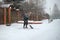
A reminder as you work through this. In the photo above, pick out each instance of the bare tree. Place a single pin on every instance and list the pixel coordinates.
(34, 6)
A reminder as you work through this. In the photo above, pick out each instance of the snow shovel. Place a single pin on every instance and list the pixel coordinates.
(31, 27)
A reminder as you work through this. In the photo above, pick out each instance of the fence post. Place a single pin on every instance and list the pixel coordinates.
(9, 15)
(4, 15)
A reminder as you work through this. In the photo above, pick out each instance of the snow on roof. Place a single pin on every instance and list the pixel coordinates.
(5, 5)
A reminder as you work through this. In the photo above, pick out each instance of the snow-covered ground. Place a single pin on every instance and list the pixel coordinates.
(45, 31)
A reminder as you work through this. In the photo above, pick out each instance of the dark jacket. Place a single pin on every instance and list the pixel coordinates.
(26, 17)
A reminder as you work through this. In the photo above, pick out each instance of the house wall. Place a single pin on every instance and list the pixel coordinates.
(1, 16)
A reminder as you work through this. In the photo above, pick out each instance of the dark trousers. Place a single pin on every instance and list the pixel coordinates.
(25, 24)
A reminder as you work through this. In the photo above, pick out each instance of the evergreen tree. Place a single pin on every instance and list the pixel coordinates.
(55, 12)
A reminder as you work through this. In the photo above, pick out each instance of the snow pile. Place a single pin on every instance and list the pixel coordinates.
(31, 22)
